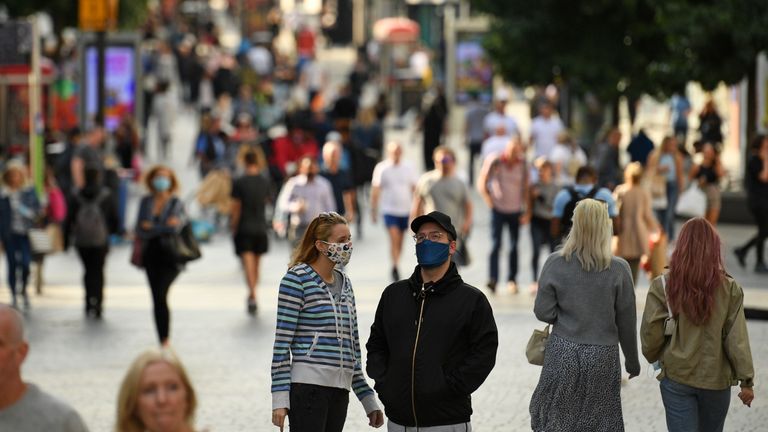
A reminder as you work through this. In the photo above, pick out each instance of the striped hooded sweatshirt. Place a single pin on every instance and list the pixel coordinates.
(316, 339)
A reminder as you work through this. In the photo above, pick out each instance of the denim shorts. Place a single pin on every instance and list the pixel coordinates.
(399, 222)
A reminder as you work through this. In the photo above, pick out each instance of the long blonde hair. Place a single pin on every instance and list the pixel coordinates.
(127, 400)
(319, 229)
(590, 237)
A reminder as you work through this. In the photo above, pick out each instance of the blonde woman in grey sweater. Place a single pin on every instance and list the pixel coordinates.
(588, 295)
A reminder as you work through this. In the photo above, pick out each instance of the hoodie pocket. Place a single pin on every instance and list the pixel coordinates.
(314, 344)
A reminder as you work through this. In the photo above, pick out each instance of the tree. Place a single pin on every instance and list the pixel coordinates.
(626, 47)
(602, 46)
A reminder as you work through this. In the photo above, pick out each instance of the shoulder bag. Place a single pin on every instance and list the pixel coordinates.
(534, 351)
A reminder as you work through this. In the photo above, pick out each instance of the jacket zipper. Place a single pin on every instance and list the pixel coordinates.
(423, 296)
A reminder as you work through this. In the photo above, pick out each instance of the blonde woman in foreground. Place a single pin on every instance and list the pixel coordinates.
(156, 395)
(588, 296)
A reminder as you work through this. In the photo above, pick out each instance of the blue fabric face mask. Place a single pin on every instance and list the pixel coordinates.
(161, 183)
(432, 254)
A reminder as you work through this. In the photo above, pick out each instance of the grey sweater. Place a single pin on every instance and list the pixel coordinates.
(594, 308)
(38, 411)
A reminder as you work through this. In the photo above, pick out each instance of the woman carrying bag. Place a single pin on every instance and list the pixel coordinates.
(587, 294)
(694, 327)
(316, 358)
(161, 215)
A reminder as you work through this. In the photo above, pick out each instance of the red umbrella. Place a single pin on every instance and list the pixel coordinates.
(396, 30)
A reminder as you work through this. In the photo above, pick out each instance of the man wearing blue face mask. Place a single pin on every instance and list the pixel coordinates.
(434, 339)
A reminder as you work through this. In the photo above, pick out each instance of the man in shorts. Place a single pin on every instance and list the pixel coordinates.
(394, 180)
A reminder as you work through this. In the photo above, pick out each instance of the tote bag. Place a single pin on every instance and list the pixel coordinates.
(692, 203)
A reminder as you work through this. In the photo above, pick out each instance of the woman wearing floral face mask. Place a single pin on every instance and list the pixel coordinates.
(316, 359)
(160, 213)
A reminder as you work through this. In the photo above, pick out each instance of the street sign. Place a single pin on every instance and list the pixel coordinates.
(97, 15)
(15, 43)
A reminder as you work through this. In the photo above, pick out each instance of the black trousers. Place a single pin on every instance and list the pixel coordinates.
(760, 213)
(93, 259)
(161, 276)
(317, 408)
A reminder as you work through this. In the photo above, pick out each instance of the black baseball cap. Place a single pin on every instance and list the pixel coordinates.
(441, 219)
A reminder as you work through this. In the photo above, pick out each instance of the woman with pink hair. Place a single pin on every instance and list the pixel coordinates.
(694, 329)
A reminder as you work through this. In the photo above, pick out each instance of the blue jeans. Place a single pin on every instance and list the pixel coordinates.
(666, 217)
(690, 409)
(498, 220)
(19, 254)
(541, 234)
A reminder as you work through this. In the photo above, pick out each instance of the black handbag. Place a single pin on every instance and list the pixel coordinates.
(181, 247)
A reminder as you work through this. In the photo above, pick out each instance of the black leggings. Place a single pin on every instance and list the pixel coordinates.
(93, 259)
(161, 276)
(317, 408)
(760, 212)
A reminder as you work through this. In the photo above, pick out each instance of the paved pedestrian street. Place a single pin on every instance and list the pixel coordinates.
(228, 354)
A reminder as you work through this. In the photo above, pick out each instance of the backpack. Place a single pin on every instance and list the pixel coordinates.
(566, 221)
(90, 228)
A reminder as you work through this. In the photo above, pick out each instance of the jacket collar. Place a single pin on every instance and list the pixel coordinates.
(447, 283)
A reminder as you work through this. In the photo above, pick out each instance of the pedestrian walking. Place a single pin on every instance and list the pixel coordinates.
(606, 161)
(541, 197)
(637, 220)
(316, 358)
(91, 220)
(156, 395)
(498, 118)
(566, 157)
(680, 109)
(434, 339)
(697, 304)
(160, 214)
(757, 190)
(474, 132)
(503, 185)
(708, 173)
(666, 176)
(433, 123)
(441, 190)
(545, 130)
(394, 180)
(248, 221)
(588, 296)
(19, 211)
(567, 198)
(710, 125)
(303, 197)
(341, 180)
(24, 407)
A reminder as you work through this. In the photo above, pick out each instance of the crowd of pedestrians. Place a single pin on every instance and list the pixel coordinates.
(304, 160)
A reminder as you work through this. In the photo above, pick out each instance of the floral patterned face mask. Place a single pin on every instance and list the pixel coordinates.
(339, 253)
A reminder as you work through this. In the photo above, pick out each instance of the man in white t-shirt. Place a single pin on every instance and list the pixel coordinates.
(498, 116)
(545, 129)
(566, 158)
(393, 182)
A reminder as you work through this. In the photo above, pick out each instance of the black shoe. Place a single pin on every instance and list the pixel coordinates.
(491, 286)
(252, 307)
(761, 268)
(741, 256)
(395, 274)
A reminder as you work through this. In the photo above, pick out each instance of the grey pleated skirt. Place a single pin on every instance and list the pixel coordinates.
(579, 389)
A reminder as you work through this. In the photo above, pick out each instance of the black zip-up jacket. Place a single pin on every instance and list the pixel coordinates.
(425, 372)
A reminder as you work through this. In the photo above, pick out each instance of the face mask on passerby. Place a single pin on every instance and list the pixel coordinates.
(432, 254)
(339, 253)
(161, 183)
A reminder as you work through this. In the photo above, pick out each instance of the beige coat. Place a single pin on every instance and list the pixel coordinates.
(637, 220)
